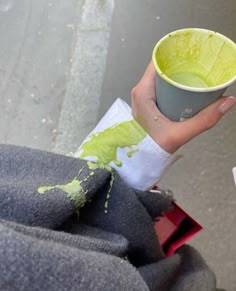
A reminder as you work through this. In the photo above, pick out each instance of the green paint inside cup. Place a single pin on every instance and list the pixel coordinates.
(196, 58)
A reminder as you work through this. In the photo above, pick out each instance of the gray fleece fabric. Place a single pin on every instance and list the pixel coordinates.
(66, 224)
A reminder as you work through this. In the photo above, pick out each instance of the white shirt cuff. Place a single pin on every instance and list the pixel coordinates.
(140, 161)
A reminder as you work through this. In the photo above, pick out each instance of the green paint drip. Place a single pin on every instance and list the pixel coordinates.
(109, 192)
(131, 152)
(104, 145)
(94, 166)
(74, 191)
(81, 170)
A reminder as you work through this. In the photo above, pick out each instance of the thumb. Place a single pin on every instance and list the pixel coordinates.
(208, 117)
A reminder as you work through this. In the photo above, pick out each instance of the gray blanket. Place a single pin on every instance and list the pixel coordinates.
(66, 224)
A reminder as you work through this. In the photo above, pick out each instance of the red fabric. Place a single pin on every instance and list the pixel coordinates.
(176, 228)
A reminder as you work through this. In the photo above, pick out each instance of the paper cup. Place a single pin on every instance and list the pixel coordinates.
(194, 67)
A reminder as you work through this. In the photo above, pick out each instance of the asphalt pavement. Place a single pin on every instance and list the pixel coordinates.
(36, 49)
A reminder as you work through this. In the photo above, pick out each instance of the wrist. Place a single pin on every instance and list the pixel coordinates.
(157, 127)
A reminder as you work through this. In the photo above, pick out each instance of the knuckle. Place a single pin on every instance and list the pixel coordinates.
(134, 92)
(135, 98)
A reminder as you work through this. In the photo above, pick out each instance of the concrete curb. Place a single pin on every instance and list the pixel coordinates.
(80, 108)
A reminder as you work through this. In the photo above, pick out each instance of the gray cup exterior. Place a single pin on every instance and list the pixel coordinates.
(178, 104)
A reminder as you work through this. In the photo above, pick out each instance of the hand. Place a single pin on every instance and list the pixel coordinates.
(168, 134)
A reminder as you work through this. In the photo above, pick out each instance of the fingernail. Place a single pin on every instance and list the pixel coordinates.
(227, 105)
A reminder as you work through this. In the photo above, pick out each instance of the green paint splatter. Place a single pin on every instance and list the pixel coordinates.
(104, 145)
(109, 192)
(131, 152)
(74, 191)
(94, 166)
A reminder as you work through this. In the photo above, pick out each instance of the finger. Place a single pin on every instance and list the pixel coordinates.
(207, 118)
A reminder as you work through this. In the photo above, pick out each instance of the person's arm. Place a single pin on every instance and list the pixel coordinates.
(140, 144)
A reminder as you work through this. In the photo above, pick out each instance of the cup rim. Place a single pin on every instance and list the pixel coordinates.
(181, 86)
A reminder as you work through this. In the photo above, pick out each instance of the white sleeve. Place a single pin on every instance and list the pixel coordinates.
(120, 142)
